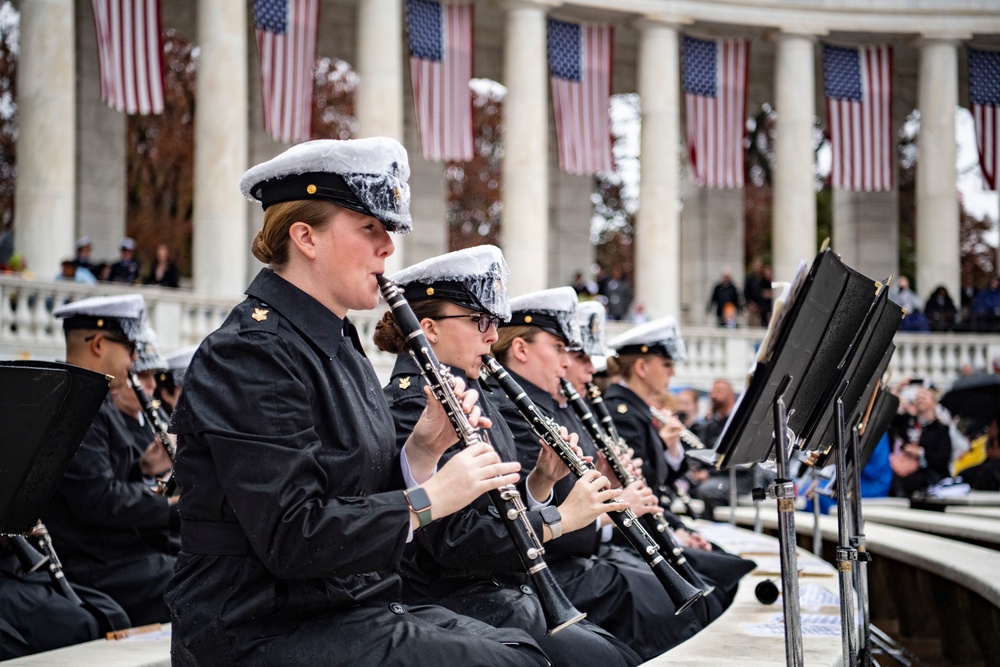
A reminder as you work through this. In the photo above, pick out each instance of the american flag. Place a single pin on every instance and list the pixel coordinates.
(440, 38)
(984, 92)
(580, 69)
(128, 49)
(858, 83)
(286, 47)
(715, 101)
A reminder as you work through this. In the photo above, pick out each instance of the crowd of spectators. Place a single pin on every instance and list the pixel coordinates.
(978, 309)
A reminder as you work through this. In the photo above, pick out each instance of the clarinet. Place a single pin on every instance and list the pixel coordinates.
(680, 592)
(559, 612)
(33, 559)
(159, 426)
(656, 525)
(600, 407)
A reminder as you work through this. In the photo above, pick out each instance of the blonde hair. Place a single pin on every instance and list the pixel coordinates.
(506, 336)
(271, 243)
(623, 365)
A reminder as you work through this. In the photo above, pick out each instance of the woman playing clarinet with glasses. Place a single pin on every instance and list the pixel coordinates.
(468, 562)
(296, 504)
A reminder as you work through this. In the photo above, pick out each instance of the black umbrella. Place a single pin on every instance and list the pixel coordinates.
(975, 396)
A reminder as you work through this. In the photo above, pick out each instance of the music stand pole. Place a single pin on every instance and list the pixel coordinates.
(846, 555)
(817, 531)
(783, 490)
(858, 542)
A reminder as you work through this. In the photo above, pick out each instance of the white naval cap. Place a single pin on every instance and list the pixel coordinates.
(552, 310)
(148, 355)
(592, 317)
(661, 336)
(364, 175)
(177, 363)
(122, 314)
(474, 278)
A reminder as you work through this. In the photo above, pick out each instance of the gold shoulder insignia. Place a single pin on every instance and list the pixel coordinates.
(404, 383)
(622, 408)
(259, 314)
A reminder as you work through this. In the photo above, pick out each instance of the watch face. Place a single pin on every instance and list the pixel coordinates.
(551, 515)
(418, 498)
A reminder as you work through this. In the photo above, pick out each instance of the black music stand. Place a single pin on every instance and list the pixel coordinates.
(805, 347)
(47, 408)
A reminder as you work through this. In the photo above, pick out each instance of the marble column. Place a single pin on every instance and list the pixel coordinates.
(794, 235)
(221, 237)
(45, 191)
(379, 97)
(525, 223)
(938, 253)
(657, 231)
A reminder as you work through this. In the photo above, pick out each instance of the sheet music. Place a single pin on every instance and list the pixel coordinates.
(813, 625)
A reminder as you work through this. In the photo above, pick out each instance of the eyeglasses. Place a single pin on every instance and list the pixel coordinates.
(483, 321)
(113, 339)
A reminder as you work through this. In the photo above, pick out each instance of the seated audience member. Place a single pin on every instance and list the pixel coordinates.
(940, 310)
(126, 269)
(921, 444)
(163, 271)
(109, 525)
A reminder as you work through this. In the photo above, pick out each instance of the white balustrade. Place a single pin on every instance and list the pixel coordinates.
(182, 318)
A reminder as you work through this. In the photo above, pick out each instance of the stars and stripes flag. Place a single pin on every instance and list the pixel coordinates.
(129, 52)
(286, 49)
(440, 39)
(580, 73)
(984, 93)
(858, 84)
(715, 101)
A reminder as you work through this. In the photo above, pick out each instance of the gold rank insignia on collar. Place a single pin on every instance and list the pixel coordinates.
(622, 408)
(260, 314)
(404, 383)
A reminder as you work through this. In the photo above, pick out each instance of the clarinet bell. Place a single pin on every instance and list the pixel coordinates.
(767, 592)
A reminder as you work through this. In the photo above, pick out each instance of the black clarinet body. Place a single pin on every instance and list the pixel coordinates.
(656, 524)
(680, 592)
(159, 426)
(558, 610)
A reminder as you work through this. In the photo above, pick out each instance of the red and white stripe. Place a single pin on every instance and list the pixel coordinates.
(287, 64)
(987, 121)
(716, 125)
(583, 127)
(861, 132)
(129, 52)
(441, 90)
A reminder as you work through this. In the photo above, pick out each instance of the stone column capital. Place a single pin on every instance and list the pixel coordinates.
(544, 5)
(947, 38)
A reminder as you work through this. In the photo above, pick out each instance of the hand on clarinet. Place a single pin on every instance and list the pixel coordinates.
(588, 501)
(549, 468)
(641, 498)
(469, 474)
(433, 433)
(155, 461)
(670, 433)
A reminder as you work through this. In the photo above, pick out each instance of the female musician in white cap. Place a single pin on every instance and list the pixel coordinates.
(627, 601)
(468, 562)
(292, 533)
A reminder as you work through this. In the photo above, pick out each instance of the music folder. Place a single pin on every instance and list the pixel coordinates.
(46, 409)
(807, 342)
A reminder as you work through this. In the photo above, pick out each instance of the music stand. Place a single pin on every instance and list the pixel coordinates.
(804, 347)
(48, 408)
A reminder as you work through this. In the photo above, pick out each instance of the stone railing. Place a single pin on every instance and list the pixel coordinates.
(182, 317)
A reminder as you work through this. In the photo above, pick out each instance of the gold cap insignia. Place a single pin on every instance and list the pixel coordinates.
(527, 319)
(259, 314)
(404, 383)
(622, 409)
(100, 323)
(644, 349)
(311, 189)
(430, 291)
(397, 193)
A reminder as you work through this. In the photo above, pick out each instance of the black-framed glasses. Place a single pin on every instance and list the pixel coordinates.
(114, 339)
(482, 320)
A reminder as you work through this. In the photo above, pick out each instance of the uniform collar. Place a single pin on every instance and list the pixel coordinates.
(539, 396)
(309, 316)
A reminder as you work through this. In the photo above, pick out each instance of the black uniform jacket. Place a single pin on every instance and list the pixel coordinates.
(473, 543)
(578, 543)
(634, 422)
(110, 530)
(285, 471)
